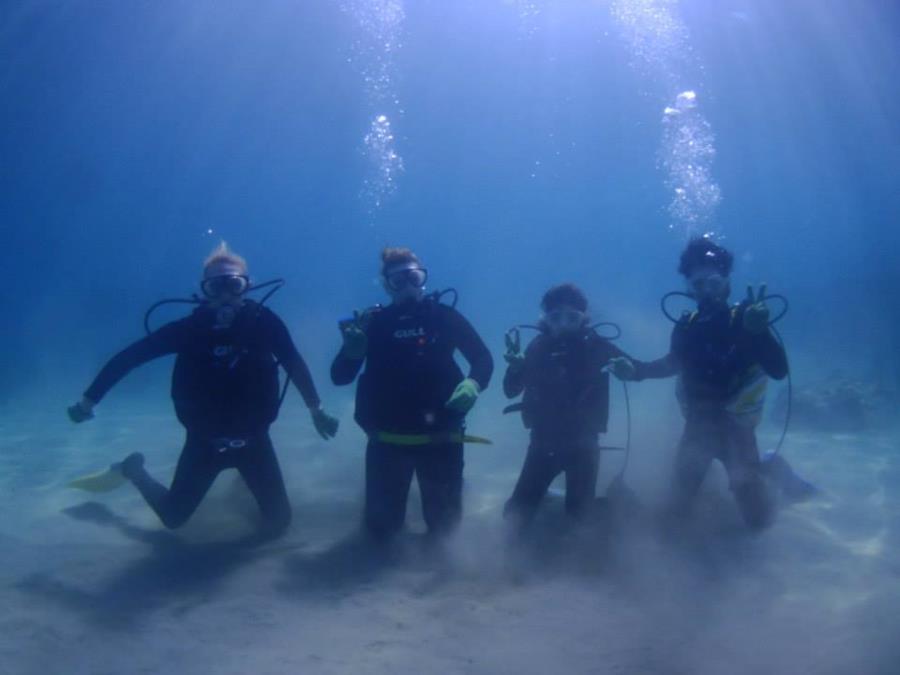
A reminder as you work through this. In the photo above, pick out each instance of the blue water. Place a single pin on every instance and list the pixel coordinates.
(513, 144)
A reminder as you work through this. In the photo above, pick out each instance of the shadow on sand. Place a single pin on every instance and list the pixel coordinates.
(485, 552)
(178, 575)
(358, 561)
(176, 572)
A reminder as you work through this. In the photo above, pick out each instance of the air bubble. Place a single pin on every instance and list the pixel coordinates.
(381, 24)
(660, 49)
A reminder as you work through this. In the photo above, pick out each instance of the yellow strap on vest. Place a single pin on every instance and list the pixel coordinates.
(428, 439)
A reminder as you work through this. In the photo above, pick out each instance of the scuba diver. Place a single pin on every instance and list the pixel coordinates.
(412, 397)
(723, 356)
(565, 404)
(226, 394)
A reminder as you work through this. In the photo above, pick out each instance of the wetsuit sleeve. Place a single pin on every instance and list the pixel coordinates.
(770, 355)
(285, 351)
(667, 366)
(514, 379)
(610, 351)
(167, 340)
(481, 363)
(344, 370)
(644, 369)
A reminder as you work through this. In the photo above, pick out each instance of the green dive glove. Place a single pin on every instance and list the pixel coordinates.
(355, 342)
(464, 396)
(324, 423)
(623, 368)
(756, 315)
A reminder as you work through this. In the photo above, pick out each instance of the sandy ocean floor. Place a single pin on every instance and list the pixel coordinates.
(93, 584)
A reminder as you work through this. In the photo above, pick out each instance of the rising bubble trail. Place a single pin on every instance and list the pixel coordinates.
(380, 24)
(659, 44)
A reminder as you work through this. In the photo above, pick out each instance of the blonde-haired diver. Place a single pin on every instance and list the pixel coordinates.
(226, 393)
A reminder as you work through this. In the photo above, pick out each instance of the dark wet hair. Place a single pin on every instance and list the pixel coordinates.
(702, 251)
(391, 256)
(564, 294)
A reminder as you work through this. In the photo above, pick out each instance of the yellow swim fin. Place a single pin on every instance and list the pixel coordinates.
(477, 439)
(102, 481)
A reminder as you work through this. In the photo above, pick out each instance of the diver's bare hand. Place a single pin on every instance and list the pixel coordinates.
(756, 315)
(514, 356)
(623, 368)
(325, 424)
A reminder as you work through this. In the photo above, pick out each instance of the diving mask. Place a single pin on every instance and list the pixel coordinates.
(399, 278)
(708, 284)
(565, 320)
(225, 285)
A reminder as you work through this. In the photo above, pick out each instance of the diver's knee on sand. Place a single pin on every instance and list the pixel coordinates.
(755, 502)
(157, 496)
(381, 525)
(173, 515)
(276, 525)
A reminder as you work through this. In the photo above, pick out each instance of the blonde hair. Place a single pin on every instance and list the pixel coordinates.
(222, 253)
(396, 255)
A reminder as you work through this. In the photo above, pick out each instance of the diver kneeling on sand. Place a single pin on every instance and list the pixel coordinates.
(226, 394)
(412, 397)
(565, 403)
(722, 355)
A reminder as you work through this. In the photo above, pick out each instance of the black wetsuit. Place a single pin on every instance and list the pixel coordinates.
(409, 375)
(226, 394)
(713, 353)
(566, 407)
